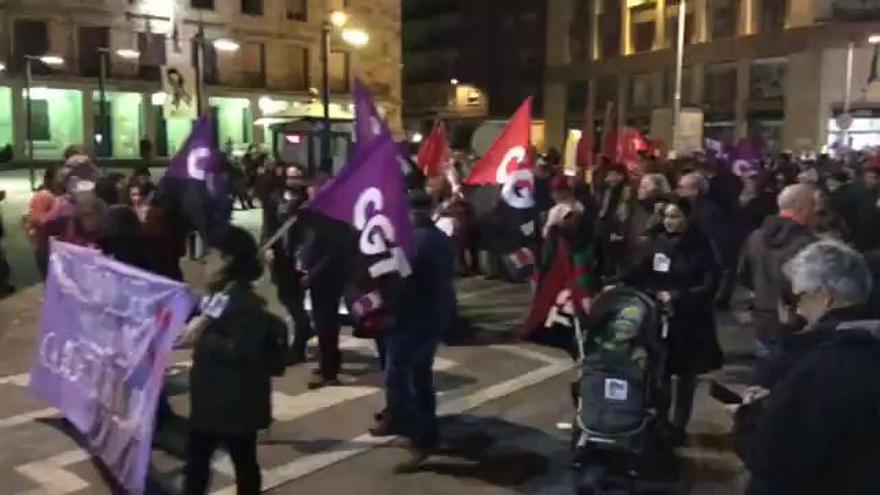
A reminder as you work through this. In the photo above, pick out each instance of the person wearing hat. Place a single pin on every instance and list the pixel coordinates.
(425, 305)
(682, 272)
(613, 219)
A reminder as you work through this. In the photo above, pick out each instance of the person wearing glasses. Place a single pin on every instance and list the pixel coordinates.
(817, 428)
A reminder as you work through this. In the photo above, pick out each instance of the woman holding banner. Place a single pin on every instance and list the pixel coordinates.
(236, 352)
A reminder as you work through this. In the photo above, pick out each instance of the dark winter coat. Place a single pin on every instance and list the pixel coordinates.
(765, 252)
(796, 346)
(230, 382)
(819, 429)
(853, 204)
(427, 299)
(692, 277)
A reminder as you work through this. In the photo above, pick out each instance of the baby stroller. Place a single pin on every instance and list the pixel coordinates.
(621, 368)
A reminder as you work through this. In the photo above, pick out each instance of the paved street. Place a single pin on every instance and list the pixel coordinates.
(502, 403)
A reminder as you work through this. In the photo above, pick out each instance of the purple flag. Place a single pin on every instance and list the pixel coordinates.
(194, 186)
(106, 334)
(368, 125)
(199, 159)
(369, 193)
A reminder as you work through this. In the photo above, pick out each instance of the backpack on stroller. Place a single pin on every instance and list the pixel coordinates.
(621, 366)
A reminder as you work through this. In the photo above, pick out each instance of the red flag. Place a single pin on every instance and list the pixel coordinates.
(554, 292)
(508, 153)
(434, 155)
(631, 144)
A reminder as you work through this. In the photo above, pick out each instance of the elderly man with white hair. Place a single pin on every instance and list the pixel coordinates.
(818, 430)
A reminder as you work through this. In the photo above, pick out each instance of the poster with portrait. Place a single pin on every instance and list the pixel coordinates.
(179, 85)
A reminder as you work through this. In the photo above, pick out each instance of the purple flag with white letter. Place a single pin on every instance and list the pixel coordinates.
(369, 193)
(194, 186)
(106, 334)
(368, 125)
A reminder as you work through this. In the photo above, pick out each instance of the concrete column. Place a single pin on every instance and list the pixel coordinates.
(660, 25)
(151, 117)
(555, 99)
(591, 104)
(18, 120)
(558, 18)
(623, 83)
(747, 17)
(594, 29)
(626, 47)
(88, 121)
(802, 127)
(698, 83)
(701, 21)
(743, 72)
(256, 130)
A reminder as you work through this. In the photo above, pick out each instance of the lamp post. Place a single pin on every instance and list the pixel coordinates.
(50, 60)
(679, 69)
(101, 134)
(352, 36)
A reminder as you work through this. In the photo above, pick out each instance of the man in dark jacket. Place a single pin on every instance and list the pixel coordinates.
(282, 257)
(424, 311)
(765, 252)
(716, 223)
(853, 204)
(818, 430)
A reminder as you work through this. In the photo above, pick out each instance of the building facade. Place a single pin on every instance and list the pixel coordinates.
(769, 68)
(469, 60)
(277, 66)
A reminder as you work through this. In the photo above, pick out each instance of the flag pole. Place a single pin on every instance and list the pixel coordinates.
(277, 235)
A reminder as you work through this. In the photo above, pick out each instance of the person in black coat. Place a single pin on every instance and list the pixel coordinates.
(817, 431)
(681, 270)
(230, 382)
(282, 259)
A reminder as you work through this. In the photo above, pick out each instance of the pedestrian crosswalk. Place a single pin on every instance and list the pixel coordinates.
(313, 429)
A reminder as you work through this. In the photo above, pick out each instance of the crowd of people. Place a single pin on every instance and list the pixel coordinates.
(800, 236)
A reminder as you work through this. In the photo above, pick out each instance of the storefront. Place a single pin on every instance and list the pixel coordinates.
(56, 120)
(125, 124)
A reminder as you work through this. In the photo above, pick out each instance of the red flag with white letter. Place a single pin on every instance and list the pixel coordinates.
(509, 152)
(434, 155)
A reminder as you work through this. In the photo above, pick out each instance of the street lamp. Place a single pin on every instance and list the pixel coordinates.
(354, 37)
(52, 61)
(453, 81)
(874, 39)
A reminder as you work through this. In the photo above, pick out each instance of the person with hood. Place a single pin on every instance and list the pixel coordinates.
(767, 249)
(852, 203)
(817, 429)
(682, 271)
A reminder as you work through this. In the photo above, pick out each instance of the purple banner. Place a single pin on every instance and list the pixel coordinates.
(368, 125)
(106, 334)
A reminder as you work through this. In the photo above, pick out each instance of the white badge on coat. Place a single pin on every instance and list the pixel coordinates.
(214, 305)
(662, 263)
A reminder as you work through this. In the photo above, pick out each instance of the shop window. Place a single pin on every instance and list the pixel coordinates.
(297, 10)
(252, 7)
(152, 57)
(29, 38)
(771, 17)
(91, 40)
(724, 16)
(202, 4)
(40, 128)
